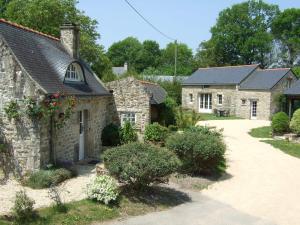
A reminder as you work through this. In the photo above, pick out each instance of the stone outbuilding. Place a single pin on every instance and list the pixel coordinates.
(245, 91)
(49, 71)
(137, 101)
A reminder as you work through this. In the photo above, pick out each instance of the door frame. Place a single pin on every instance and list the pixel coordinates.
(209, 103)
(81, 154)
(251, 109)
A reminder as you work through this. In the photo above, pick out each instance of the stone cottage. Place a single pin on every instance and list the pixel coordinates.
(137, 101)
(245, 91)
(40, 67)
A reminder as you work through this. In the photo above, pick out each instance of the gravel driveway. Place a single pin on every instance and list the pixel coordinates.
(262, 187)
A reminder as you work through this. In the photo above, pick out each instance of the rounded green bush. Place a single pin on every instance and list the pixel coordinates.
(295, 122)
(111, 135)
(280, 123)
(137, 164)
(199, 149)
(155, 133)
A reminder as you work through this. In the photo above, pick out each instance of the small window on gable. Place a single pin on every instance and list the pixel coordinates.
(2, 66)
(243, 101)
(191, 97)
(74, 73)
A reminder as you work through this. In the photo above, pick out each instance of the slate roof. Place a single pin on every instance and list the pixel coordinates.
(264, 79)
(294, 90)
(118, 70)
(46, 60)
(229, 75)
(158, 93)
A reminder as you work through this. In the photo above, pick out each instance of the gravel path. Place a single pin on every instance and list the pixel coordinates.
(71, 190)
(262, 187)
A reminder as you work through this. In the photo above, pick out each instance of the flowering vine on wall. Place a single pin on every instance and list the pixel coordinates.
(57, 106)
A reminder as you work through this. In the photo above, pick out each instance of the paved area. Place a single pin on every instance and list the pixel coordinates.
(262, 187)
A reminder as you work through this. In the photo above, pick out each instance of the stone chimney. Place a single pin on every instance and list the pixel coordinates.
(70, 37)
(125, 67)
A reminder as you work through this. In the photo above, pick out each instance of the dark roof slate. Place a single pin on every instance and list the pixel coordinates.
(158, 93)
(230, 75)
(46, 61)
(294, 90)
(264, 79)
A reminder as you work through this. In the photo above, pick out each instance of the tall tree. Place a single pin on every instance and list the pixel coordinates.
(184, 59)
(286, 29)
(47, 16)
(150, 55)
(127, 50)
(241, 34)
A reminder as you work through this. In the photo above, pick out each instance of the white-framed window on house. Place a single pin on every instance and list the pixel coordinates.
(191, 98)
(220, 99)
(74, 73)
(128, 116)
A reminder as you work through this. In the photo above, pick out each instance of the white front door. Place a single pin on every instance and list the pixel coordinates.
(253, 110)
(205, 103)
(81, 135)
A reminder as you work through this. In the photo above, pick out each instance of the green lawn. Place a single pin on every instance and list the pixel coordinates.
(85, 212)
(211, 116)
(290, 148)
(261, 132)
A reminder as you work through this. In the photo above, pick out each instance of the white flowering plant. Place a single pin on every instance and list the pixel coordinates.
(103, 189)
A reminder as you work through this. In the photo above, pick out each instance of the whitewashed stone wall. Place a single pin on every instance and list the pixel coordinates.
(228, 93)
(130, 96)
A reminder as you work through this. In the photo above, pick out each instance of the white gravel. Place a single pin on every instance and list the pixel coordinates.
(71, 190)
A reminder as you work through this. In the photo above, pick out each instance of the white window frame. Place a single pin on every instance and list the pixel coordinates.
(74, 73)
(128, 116)
(218, 99)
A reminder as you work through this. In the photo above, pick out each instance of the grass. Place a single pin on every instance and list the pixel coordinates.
(208, 116)
(261, 132)
(290, 148)
(86, 211)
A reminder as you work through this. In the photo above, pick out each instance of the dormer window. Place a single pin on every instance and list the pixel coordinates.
(74, 73)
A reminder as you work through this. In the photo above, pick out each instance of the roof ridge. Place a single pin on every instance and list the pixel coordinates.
(28, 29)
(284, 68)
(214, 67)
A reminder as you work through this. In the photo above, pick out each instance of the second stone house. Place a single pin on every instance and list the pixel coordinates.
(245, 91)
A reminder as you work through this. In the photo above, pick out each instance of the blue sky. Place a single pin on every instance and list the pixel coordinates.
(189, 21)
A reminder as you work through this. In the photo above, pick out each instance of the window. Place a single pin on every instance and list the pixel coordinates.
(243, 101)
(289, 82)
(191, 97)
(220, 99)
(74, 73)
(128, 116)
(2, 66)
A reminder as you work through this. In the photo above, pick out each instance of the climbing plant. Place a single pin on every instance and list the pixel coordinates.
(12, 110)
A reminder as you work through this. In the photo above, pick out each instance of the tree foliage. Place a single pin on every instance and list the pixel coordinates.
(286, 29)
(47, 16)
(240, 36)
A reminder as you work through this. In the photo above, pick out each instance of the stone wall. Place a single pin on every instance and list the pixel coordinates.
(278, 90)
(130, 96)
(23, 136)
(263, 99)
(228, 93)
(96, 117)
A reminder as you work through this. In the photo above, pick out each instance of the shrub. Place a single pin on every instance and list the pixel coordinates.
(46, 178)
(200, 150)
(295, 122)
(23, 207)
(280, 123)
(128, 134)
(111, 135)
(168, 110)
(155, 133)
(137, 164)
(103, 188)
(186, 118)
(172, 128)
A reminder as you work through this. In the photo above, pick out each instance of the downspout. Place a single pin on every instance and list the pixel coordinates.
(52, 148)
